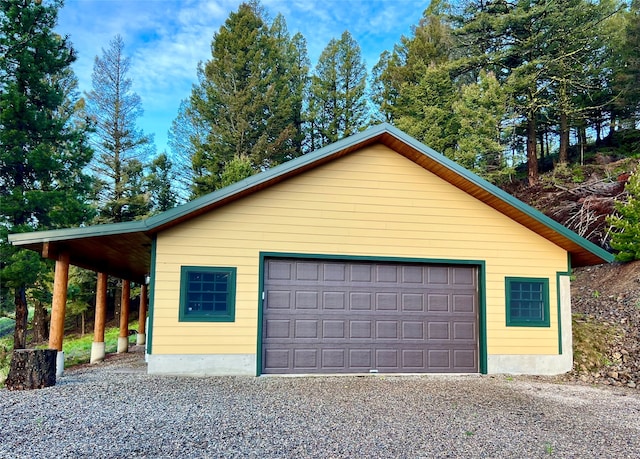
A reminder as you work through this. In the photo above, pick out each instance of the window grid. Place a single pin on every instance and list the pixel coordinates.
(207, 294)
(527, 302)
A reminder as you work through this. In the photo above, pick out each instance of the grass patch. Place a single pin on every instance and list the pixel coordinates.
(77, 349)
(592, 341)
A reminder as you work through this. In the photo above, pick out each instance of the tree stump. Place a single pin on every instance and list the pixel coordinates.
(32, 369)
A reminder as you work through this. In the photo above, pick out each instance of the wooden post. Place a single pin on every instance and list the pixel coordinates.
(142, 316)
(98, 346)
(58, 306)
(123, 338)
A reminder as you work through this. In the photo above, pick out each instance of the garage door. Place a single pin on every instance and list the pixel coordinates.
(358, 317)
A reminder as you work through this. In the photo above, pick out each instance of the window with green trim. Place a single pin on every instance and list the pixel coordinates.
(207, 294)
(527, 302)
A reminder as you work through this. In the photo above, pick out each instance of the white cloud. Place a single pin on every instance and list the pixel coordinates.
(165, 39)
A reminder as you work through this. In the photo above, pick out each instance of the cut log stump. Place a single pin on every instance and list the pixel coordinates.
(32, 369)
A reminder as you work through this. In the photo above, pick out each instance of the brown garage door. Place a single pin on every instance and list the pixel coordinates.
(359, 317)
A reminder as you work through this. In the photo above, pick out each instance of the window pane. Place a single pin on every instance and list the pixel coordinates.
(527, 302)
(208, 293)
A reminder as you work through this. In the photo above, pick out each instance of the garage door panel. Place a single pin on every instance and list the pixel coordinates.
(306, 328)
(334, 300)
(278, 328)
(413, 330)
(278, 299)
(334, 359)
(413, 302)
(360, 329)
(353, 317)
(360, 359)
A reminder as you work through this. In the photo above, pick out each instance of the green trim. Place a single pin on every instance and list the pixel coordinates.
(316, 256)
(260, 312)
(108, 229)
(482, 317)
(480, 264)
(152, 295)
(558, 275)
(372, 134)
(229, 315)
(545, 321)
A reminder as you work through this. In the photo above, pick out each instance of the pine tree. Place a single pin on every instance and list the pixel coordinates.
(480, 110)
(248, 97)
(625, 223)
(187, 135)
(114, 108)
(158, 184)
(337, 103)
(43, 147)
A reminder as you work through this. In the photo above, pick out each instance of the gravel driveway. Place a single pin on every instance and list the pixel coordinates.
(115, 410)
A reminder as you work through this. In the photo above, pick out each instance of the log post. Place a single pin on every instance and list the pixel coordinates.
(58, 307)
(142, 316)
(98, 346)
(123, 338)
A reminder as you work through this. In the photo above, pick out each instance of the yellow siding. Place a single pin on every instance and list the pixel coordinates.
(370, 203)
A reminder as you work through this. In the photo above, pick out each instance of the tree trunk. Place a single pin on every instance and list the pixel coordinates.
(32, 369)
(40, 323)
(563, 155)
(22, 316)
(582, 134)
(532, 156)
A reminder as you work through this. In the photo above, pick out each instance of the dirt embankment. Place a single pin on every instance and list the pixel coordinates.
(609, 295)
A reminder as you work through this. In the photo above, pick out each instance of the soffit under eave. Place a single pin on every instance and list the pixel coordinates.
(126, 256)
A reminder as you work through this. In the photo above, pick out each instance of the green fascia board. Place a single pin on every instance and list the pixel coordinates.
(108, 229)
(157, 221)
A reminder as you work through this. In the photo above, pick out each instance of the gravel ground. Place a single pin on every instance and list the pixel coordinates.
(116, 410)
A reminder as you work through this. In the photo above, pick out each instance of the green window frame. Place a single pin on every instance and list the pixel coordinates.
(207, 294)
(527, 302)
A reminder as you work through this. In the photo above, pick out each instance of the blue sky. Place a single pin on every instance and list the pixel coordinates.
(166, 39)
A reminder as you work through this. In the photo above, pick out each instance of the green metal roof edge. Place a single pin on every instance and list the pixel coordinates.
(503, 195)
(108, 229)
(385, 128)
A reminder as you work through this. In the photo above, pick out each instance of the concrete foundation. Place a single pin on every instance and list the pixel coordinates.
(97, 352)
(203, 365)
(60, 364)
(123, 344)
(141, 339)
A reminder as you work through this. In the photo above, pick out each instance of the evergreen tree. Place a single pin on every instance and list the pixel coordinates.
(43, 145)
(158, 184)
(120, 147)
(625, 224)
(540, 50)
(248, 96)
(480, 111)
(186, 136)
(626, 74)
(427, 111)
(429, 47)
(337, 104)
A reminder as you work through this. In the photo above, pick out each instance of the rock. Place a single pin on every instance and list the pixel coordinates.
(613, 374)
(631, 384)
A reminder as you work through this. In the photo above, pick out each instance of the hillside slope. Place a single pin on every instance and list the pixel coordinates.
(609, 295)
(605, 298)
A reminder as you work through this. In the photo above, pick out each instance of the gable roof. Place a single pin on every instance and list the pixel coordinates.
(124, 249)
